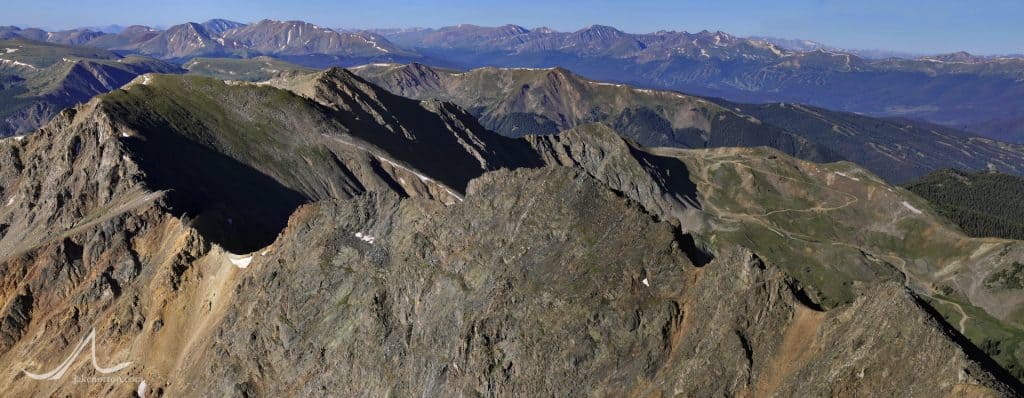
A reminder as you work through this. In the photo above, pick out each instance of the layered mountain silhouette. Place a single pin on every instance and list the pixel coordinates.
(38, 80)
(298, 40)
(520, 101)
(959, 90)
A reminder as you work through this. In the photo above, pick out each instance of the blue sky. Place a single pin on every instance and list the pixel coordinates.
(996, 27)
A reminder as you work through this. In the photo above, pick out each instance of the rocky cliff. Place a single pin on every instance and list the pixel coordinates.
(244, 240)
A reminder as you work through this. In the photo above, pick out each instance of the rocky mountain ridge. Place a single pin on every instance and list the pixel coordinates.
(316, 234)
(520, 101)
(958, 90)
(932, 88)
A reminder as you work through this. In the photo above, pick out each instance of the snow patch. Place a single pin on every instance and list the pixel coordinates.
(125, 134)
(142, 389)
(11, 200)
(146, 79)
(242, 262)
(374, 44)
(848, 176)
(639, 90)
(379, 65)
(422, 177)
(939, 61)
(19, 138)
(645, 282)
(10, 50)
(15, 63)
(911, 208)
(365, 237)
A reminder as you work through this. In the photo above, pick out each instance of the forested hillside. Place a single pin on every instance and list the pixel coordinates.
(982, 204)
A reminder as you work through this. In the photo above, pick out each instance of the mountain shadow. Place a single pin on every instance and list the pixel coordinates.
(420, 133)
(230, 203)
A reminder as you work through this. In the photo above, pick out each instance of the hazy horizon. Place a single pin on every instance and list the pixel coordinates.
(941, 26)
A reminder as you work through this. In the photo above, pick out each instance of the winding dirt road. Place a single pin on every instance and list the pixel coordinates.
(907, 276)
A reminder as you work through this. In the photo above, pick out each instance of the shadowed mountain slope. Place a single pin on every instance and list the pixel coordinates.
(279, 150)
(38, 80)
(544, 101)
(517, 102)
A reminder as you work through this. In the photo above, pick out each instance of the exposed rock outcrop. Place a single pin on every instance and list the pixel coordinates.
(243, 240)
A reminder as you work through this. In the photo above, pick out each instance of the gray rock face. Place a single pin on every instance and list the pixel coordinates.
(573, 292)
(542, 282)
(660, 184)
(68, 175)
(569, 279)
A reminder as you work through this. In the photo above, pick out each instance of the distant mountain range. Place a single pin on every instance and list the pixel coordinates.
(224, 38)
(518, 101)
(984, 95)
(809, 45)
(38, 80)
